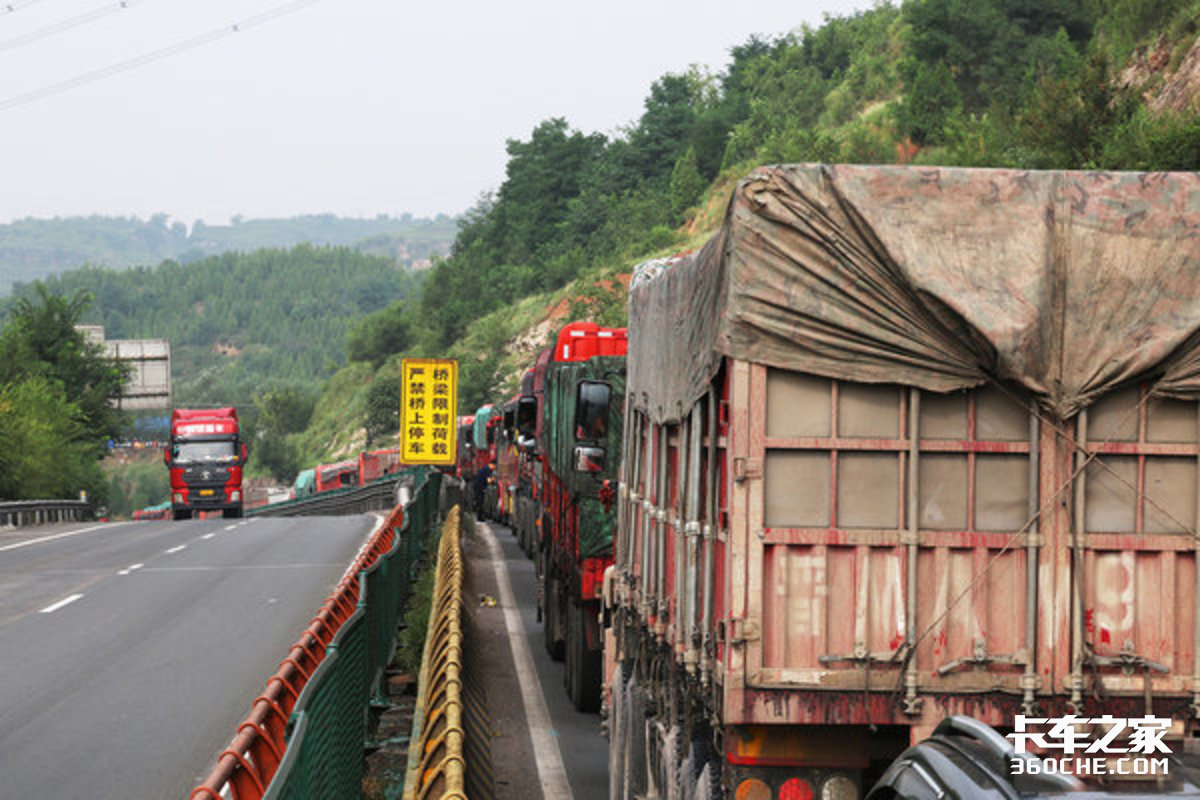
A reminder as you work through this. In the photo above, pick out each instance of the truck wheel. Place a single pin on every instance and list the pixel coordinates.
(618, 723)
(582, 675)
(232, 513)
(551, 614)
(181, 514)
(634, 778)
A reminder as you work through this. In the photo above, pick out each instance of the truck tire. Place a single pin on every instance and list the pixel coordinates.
(232, 513)
(618, 723)
(181, 514)
(582, 673)
(551, 617)
(634, 778)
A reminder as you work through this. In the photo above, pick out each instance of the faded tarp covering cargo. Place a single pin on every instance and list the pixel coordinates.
(562, 382)
(483, 416)
(1067, 283)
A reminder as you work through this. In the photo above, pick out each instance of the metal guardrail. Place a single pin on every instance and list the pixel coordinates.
(37, 512)
(437, 765)
(305, 733)
(381, 494)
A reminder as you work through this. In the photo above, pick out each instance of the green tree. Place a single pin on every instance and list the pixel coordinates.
(931, 99)
(380, 334)
(383, 410)
(41, 340)
(687, 185)
(46, 451)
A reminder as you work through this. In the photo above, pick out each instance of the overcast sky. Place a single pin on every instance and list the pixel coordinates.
(353, 107)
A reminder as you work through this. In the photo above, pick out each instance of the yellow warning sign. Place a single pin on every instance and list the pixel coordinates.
(427, 410)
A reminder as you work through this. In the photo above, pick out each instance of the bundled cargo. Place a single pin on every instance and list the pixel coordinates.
(903, 443)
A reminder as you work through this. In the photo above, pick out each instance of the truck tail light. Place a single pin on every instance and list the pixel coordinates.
(796, 789)
(752, 789)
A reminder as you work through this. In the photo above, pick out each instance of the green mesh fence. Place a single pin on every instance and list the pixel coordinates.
(329, 724)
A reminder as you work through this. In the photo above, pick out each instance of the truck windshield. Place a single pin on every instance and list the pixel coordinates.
(192, 452)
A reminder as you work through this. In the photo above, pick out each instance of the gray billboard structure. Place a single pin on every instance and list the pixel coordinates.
(149, 383)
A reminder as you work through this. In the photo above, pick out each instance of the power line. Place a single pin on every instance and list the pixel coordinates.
(66, 25)
(155, 55)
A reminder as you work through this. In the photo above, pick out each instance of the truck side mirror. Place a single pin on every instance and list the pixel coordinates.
(527, 416)
(589, 459)
(167, 455)
(245, 452)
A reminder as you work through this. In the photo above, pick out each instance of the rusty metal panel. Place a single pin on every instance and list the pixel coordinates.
(1000, 415)
(1110, 496)
(943, 492)
(868, 411)
(1001, 492)
(797, 489)
(1170, 494)
(1171, 421)
(944, 416)
(866, 495)
(797, 405)
(1113, 418)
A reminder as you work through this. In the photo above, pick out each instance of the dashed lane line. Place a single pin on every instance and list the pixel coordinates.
(177, 548)
(66, 601)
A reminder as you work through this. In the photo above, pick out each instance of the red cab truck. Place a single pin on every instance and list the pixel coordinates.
(580, 449)
(204, 457)
(905, 443)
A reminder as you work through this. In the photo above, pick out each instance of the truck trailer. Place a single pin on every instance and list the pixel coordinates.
(903, 443)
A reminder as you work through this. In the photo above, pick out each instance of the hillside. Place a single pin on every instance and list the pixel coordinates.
(1069, 84)
(31, 249)
(241, 324)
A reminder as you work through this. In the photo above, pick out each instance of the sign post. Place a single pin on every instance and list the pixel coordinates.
(428, 406)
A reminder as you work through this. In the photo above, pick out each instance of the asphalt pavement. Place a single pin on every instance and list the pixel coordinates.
(538, 738)
(129, 652)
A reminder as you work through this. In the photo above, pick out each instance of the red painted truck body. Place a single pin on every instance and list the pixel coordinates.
(204, 457)
(830, 539)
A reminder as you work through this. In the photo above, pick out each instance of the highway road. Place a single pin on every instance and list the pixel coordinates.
(129, 652)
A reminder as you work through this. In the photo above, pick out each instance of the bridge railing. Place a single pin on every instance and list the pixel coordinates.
(305, 733)
(37, 512)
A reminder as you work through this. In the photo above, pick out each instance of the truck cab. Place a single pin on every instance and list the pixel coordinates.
(204, 457)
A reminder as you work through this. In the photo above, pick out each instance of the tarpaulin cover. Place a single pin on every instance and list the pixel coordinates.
(483, 416)
(562, 382)
(1066, 283)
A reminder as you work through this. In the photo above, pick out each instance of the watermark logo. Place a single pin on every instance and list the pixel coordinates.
(1117, 746)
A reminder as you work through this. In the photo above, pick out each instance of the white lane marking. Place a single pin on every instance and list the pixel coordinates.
(229, 527)
(54, 536)
(131, 568)
(208, 536)
(546, 752)
(177, 548)
(66, 601)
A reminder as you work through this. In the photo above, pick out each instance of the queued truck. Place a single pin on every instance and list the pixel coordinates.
(527, 517)
(580, 448)
(903, 443)
(205, 456)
